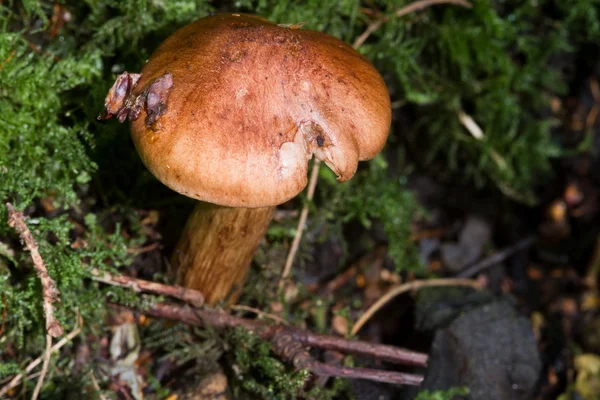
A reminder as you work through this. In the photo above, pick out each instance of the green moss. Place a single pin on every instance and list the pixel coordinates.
(258, 371)
(442, 394)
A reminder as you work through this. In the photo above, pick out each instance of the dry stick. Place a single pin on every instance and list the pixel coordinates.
(333, 285)
(47, 354)
(191, 296)
(312, 184)
(144, 249)
(289, 349)
(50, 294)
(414, 285)
(412, 7)
(260, 313)
(96, 385)
(219, 319)
(475, 130)
(17, 379)
(10, 57)
(497, 258)
(469, 272)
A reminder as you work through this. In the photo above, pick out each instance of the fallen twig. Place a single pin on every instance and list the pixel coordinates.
(190, 296)
(312, 184)
(291, 350)
(10, 57)
(475, 130)
(273, 333)
(96, 385)
(340, 280)
(260, 313)
(412, 7)
(50, 294)
(414, 285)
(497, 258)
(144, 249)
(44, 371)
(17, 379)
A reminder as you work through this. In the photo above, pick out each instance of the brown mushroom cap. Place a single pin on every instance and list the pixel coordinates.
(250, 103)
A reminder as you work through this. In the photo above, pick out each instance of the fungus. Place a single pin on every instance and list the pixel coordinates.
(229, 110)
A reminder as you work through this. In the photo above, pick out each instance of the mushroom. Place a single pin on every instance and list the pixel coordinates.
(229, 110)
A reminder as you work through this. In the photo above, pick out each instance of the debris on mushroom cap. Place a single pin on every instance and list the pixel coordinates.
(246, 104)
(122, 103)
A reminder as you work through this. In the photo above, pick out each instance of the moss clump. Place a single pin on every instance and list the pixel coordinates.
(258, 371)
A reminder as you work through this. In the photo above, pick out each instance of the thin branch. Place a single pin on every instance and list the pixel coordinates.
(46, 362)
(410, 8)
(340, 280)
(497, 258)
(469, 123)
(289, 349)
(50, 294)
(475, 130)
(372, 27)
(144, 249)
(421, 4)
(17, 379)
(312, 184)
(10, 57)
(216, 319)
(260, 313)
(190, 296)
(96, 385)
(414, 285)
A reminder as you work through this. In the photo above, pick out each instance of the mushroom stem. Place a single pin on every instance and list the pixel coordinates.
(216, 248)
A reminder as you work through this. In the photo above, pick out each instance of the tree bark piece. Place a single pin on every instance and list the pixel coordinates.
(216, 248)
